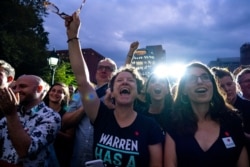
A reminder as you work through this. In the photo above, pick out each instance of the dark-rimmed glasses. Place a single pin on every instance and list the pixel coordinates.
(106, 68)
(53, 8)
(193, 79)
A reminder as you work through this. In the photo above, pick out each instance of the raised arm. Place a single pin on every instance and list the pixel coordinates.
(19, 137)
(89, 97)
(132, 49)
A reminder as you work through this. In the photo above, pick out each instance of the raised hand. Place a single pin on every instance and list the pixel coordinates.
(134, 46)
(8, 101)
(73, 24)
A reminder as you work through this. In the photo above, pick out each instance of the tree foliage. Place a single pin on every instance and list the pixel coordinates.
(63, 74)
(24, 40)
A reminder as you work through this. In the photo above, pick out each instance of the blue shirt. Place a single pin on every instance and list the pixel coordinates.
(84, 134)
(83, 143)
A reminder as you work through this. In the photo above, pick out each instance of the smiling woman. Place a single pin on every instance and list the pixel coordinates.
(114, 127)
(204, 130)
(158, 99)
(57, 98)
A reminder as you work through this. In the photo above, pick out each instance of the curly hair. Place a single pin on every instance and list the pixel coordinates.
(135, 74)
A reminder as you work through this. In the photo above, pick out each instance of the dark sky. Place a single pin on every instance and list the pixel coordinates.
(202, 30)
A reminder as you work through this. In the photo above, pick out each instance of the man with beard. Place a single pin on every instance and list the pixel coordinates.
(28, 126)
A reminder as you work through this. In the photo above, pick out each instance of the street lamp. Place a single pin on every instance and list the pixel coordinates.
(53, 61)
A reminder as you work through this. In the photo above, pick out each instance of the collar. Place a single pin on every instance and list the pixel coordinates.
(33, 110)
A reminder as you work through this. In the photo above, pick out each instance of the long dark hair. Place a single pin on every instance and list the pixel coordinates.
(168, 100)
(183, 117)
(65, 101)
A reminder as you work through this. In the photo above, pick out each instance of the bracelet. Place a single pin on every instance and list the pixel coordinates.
(71, 39)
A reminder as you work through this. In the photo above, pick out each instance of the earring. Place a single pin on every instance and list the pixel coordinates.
(211, 103)
(183, 99)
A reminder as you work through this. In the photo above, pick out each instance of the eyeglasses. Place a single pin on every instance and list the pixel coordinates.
(106, 68)
(53, 8)
(194, 79)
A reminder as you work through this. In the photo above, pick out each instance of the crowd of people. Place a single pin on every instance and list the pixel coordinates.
(122, 120)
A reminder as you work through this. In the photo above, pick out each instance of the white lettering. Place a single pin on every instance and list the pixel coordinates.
(118, 143)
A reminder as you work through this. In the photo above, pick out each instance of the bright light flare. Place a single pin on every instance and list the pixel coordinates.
(170, 70)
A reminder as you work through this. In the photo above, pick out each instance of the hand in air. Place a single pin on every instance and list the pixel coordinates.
(73, 23)
(8, 101)
(134, 45)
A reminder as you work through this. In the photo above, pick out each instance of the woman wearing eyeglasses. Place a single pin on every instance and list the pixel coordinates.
(205, 131)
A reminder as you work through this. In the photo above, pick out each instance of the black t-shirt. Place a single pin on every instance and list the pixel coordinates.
(161, 118)
(225, 151)
(243, 106)
(126, 146)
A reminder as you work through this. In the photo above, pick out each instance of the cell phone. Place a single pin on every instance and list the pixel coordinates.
(94, 163)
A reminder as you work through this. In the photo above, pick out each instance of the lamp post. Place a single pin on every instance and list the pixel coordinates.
(53, 61)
